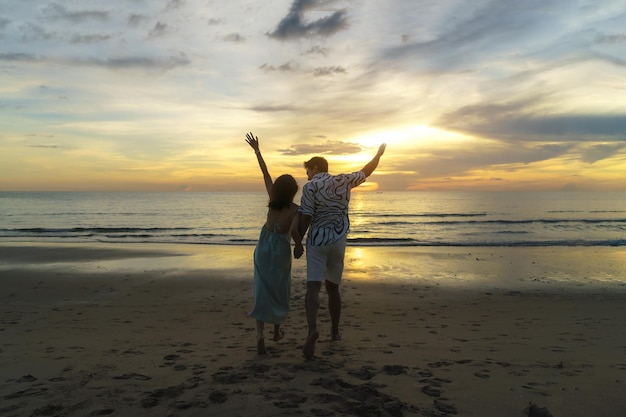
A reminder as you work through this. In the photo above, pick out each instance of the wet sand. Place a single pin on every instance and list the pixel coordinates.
(156, 330)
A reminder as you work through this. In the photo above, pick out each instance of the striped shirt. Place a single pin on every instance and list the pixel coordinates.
(326, 198)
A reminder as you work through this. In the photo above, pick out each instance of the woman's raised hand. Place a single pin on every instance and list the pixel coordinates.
(253, 141)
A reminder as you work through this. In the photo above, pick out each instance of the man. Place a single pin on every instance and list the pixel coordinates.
(324, 213)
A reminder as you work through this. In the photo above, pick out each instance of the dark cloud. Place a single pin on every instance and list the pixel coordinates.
(33, 32)
(58, 11)
(286, 67)
(462, 161)
(18, 56)
(322, 71)
(268, 108)
(41, 141)
(295, 26)
(44, 146)
(327, 148)
(611, 39)
(137, 19)
(518, 122)
(129, 62)
(612, 59)
(174, 4)
(142, 62)
(159, 29)
(316, 50)
(599, 152)
(234, 37)
(77, 39)
(294, 67)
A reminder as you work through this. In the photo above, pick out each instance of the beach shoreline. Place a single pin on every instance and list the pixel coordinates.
(134, 330)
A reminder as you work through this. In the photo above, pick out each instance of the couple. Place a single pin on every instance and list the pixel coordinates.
(323, 212)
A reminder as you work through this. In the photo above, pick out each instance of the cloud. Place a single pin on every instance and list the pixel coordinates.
(137, 62)
(294, 67)
(322, 71)
(328, 148)
(316, 50)
(137, 19)
(89, 38)
(127, 62)
(159, 29)
(18, 56)
(294, 25)
(595, 153)
(58, 11)
(174, 4)
(32, 32)
(267, 108)
(286, 67)
(517, 121)
(235, 38)
(44, 146)
(41, 141)
(611, 39)
(465, 160)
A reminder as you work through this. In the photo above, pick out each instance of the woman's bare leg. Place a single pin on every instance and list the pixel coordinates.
(278, 333)
(260, 338)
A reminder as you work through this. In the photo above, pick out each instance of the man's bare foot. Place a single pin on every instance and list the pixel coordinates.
(278, 335)
(335, 336)
(309, 345)
(260, 346)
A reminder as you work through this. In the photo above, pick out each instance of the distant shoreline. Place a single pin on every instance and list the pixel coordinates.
(576, 267)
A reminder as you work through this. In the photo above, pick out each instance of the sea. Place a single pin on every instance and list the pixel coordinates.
(430, 218)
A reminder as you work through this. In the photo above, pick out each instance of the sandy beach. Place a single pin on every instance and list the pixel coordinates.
(161, 330)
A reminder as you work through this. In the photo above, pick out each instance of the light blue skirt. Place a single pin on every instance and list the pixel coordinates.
(272, 277)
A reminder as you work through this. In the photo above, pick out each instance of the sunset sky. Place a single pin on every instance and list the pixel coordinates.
(152, 95)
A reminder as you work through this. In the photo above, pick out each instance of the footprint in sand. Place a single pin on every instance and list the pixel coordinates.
(138, 377)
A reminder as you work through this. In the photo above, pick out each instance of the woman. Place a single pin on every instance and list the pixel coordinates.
(272, 255)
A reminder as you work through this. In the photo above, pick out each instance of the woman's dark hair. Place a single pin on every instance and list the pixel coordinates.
(283, 191)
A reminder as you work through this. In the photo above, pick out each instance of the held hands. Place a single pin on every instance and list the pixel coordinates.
(253, 141)
(298, 250)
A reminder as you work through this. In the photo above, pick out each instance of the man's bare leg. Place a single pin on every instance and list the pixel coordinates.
(334, 308)
(312, 305)
(260, 338)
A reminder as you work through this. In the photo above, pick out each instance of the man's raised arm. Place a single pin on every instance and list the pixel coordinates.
(371, 165)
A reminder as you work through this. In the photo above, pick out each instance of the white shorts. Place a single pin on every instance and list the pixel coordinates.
(326, 262)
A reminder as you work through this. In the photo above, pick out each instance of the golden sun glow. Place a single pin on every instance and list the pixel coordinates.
(409, 137)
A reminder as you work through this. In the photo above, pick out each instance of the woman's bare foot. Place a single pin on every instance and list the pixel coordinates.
(260, 346)
(278, 335)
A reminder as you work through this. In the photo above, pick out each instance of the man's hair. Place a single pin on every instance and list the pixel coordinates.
(319, 162)
(283, 191)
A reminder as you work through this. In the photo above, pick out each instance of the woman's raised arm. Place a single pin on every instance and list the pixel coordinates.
(253, 141)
